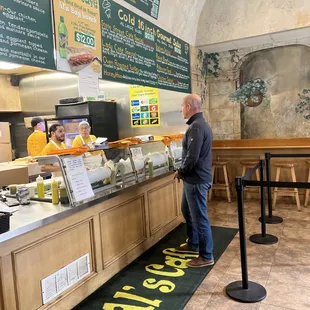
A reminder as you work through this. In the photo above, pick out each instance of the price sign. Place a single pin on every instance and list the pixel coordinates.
(85, 39)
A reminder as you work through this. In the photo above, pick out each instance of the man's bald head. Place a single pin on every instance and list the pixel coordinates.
(194, 100)
(191, 105)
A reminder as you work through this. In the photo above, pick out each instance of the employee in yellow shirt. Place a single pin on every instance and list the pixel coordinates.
(37, 140)
(57, 138)
(92, 159)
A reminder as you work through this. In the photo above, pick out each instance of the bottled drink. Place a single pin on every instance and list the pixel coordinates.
(63, 38)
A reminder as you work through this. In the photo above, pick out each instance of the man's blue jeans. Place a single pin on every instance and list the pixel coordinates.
(194, 209)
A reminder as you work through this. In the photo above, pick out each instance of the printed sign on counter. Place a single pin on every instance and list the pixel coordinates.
(150, 7)
(78, 38)
(56, 283)
(78, 178)
(135, 51)
(144, 106)
(26, 35)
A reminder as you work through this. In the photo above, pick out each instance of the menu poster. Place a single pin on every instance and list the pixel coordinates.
(26, 35)
(78, 178)
(144, 106)
(135, 51)
(150, 7)
(78, 38)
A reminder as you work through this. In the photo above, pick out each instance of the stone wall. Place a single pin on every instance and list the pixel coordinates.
(179, 17)
(226, 20)
(285, 72)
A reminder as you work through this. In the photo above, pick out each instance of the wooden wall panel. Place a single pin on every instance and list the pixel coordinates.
(35, 262)
(162, 204)
(122, 229)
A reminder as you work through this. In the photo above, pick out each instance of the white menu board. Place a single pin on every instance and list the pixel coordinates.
(78, 178)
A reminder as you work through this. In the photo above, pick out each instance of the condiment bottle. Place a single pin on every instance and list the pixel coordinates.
(40, 187)
(55, 194)
(151, 168)
(63, 196)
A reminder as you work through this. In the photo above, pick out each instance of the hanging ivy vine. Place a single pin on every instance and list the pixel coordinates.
(303, 106)
(209, 64)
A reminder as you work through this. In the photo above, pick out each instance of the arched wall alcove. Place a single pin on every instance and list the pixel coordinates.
(286, 73)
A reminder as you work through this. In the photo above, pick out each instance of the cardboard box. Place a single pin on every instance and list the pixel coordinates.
(5, 135)
(5, 152)
(10, 174)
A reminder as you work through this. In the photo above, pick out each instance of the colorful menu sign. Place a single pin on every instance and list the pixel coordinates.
(144, 106)
(135, 51)
(78, 38)
(150, 7)
(26, 35)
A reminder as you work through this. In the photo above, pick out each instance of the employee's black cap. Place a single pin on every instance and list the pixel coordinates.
(35, 121)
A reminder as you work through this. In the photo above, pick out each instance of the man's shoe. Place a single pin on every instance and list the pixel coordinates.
(186, 248)
(200, 262)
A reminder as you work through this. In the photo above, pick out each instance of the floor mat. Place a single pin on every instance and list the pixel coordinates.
(158, 279)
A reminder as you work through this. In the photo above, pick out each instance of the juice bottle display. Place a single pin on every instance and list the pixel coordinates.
(62, 37)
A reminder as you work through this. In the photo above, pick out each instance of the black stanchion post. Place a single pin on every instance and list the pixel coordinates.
(245, 290)
(271, 219)
(263, 238)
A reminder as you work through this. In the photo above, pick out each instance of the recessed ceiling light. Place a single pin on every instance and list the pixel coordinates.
(8, 66)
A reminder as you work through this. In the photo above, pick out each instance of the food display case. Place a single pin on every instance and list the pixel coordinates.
(129, 161)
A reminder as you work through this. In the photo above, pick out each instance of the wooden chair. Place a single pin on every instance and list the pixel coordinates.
(247, 165)
(307, 190)
(283, 191)
(220, 186)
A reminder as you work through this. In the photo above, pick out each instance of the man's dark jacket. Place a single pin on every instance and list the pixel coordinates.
(196, 167)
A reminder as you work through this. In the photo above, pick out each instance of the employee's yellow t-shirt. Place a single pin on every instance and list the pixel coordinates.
(77, 142)
(52, 147)
(36, 143)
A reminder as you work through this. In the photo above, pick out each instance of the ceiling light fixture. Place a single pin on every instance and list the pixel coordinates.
(8, 66)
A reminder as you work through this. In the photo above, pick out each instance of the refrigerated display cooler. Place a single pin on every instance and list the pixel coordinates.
(70, 124)
(102, 116)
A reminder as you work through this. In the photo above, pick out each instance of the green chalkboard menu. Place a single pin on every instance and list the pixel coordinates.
(135, 51)
(150, 7)
(26, 35)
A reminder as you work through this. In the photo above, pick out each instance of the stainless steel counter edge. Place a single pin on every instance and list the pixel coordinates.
(71, 210)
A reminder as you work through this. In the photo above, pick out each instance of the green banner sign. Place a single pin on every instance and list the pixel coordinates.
(150, 7)
(26, 35)
(135, 51)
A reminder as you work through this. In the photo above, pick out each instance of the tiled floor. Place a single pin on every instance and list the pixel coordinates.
(283, 268)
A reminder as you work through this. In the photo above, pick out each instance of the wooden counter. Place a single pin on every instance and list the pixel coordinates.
(296, 143)
(113, 233)
(236, 150)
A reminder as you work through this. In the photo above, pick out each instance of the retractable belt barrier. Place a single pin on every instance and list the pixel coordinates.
(245, 290)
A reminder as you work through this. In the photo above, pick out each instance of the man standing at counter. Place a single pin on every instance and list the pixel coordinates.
(196, 173)
(37, 140)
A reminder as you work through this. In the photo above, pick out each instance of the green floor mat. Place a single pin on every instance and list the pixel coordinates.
(126, 290)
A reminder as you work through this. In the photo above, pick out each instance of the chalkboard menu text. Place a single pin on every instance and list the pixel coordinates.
(150, 7)
(135, 51)
(26, 35)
